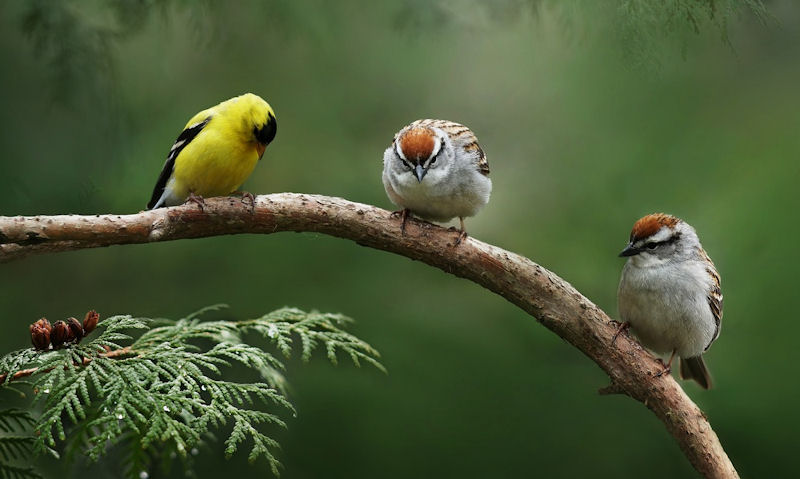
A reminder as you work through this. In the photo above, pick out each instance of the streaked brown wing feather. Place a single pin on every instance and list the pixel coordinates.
(483, 163)
(714, 297)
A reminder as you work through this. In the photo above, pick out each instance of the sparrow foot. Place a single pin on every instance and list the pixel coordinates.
(462, 234)
(404, 214)
(621, 327)
(667, 367)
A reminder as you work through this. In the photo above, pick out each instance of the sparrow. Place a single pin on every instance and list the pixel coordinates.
(669, 293)
(436, 169)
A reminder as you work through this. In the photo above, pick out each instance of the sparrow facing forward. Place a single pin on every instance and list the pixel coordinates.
(436, 170)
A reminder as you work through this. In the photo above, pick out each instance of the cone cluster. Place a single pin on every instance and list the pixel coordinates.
(60, 333)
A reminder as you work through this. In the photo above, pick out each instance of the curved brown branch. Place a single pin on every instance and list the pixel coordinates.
(550, 299)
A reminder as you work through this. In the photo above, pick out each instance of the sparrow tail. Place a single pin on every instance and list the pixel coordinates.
(695, 368)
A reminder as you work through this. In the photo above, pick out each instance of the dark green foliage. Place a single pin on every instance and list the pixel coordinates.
(78, 39)
(79, 45)
(313, 329)
(648, 29)
(165, 390)
(15, 445)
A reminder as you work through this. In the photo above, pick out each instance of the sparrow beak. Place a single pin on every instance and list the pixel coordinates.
(420, 172)
(630, 250)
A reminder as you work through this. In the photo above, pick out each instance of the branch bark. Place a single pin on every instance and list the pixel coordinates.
(539, 292)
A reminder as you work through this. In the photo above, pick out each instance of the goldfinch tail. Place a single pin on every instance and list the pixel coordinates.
(158, 204)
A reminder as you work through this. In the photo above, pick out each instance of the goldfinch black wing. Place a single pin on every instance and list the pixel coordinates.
(184, 138)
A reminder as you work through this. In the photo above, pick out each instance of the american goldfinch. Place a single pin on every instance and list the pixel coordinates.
(216, 151)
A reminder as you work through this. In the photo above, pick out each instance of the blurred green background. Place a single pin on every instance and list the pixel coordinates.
(592, 114)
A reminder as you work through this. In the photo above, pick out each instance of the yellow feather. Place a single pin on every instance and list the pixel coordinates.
(222, 155)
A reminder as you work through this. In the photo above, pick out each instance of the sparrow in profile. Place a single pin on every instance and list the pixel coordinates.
(670, 293)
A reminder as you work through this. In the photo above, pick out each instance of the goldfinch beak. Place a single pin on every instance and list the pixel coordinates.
(630, 250)
(420, 172)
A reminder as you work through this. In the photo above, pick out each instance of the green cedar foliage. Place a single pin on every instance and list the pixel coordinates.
(16, 446)
(164, 392)
(649, 29)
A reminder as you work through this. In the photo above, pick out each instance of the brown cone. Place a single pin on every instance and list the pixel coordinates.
(90, 322)
(59, 334)
(75, 330)
(40, 334)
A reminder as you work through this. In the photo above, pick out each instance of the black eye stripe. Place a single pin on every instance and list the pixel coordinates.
(433, 158)
(654, 244)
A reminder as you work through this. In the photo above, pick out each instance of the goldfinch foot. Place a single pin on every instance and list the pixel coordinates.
(246, 195)
(196, 199)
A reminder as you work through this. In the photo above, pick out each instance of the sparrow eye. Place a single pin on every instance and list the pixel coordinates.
(651, 245)
(435, 157)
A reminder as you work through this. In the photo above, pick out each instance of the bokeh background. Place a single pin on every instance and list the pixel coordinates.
(592, 114)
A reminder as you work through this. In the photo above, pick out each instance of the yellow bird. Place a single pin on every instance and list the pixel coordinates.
(216, 152)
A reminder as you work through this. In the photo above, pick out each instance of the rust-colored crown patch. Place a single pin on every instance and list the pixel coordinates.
(417, 144)
(650, 224)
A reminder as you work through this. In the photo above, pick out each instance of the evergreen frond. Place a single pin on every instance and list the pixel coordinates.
(313, 329)
(648, 27)
(16, 444)
(165, 389)
(15, 419)
(8, 471)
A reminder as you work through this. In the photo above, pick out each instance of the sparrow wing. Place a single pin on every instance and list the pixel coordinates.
(483, 163)
(184, 138)
(714, 297)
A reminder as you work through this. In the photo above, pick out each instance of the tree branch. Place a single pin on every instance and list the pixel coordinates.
(550, 299)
